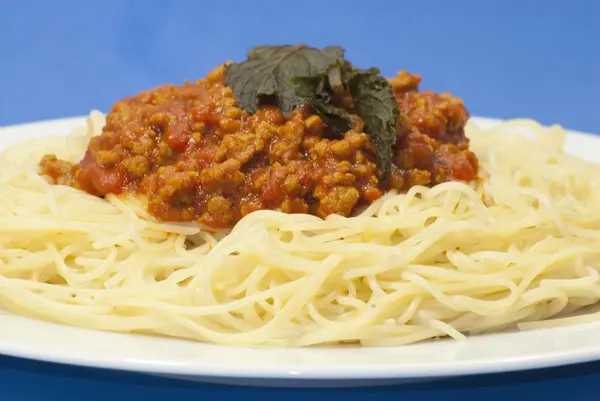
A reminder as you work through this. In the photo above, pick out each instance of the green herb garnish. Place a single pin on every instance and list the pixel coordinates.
(319, 92)
(269, 69)
(375, 104)
(297, 75)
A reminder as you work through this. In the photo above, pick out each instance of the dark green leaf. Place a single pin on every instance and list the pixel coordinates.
(375, 104)
(268, 71)
(316, 92)
(297, 75)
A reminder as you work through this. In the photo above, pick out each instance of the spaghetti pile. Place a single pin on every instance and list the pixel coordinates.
(521, 246)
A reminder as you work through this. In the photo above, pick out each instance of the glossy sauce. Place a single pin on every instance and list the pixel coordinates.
(194, 155)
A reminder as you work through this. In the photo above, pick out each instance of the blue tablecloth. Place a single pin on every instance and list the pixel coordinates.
(511, 58)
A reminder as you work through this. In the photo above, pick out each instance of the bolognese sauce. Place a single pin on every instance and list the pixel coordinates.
(194, 155)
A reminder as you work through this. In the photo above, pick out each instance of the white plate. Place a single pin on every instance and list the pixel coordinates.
(501, 352)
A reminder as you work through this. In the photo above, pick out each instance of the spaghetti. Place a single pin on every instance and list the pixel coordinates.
(521, 246)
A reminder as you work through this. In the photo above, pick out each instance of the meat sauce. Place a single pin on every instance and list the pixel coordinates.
(194, 155)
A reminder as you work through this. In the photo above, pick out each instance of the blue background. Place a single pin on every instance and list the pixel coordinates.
(507, 59)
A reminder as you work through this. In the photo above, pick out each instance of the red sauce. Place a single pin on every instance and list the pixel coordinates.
(194, 155)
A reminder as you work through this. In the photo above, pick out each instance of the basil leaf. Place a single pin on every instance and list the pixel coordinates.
(297, 75)
(316, 92)
(375, 104)
(268, 70)
(373, 100)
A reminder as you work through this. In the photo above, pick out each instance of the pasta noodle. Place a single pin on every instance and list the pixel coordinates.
(520, 247)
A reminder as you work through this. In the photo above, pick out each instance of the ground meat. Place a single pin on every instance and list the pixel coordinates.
(442, 117)
(195, 155)
(60, 170)
(405, 82)
(433, 149)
